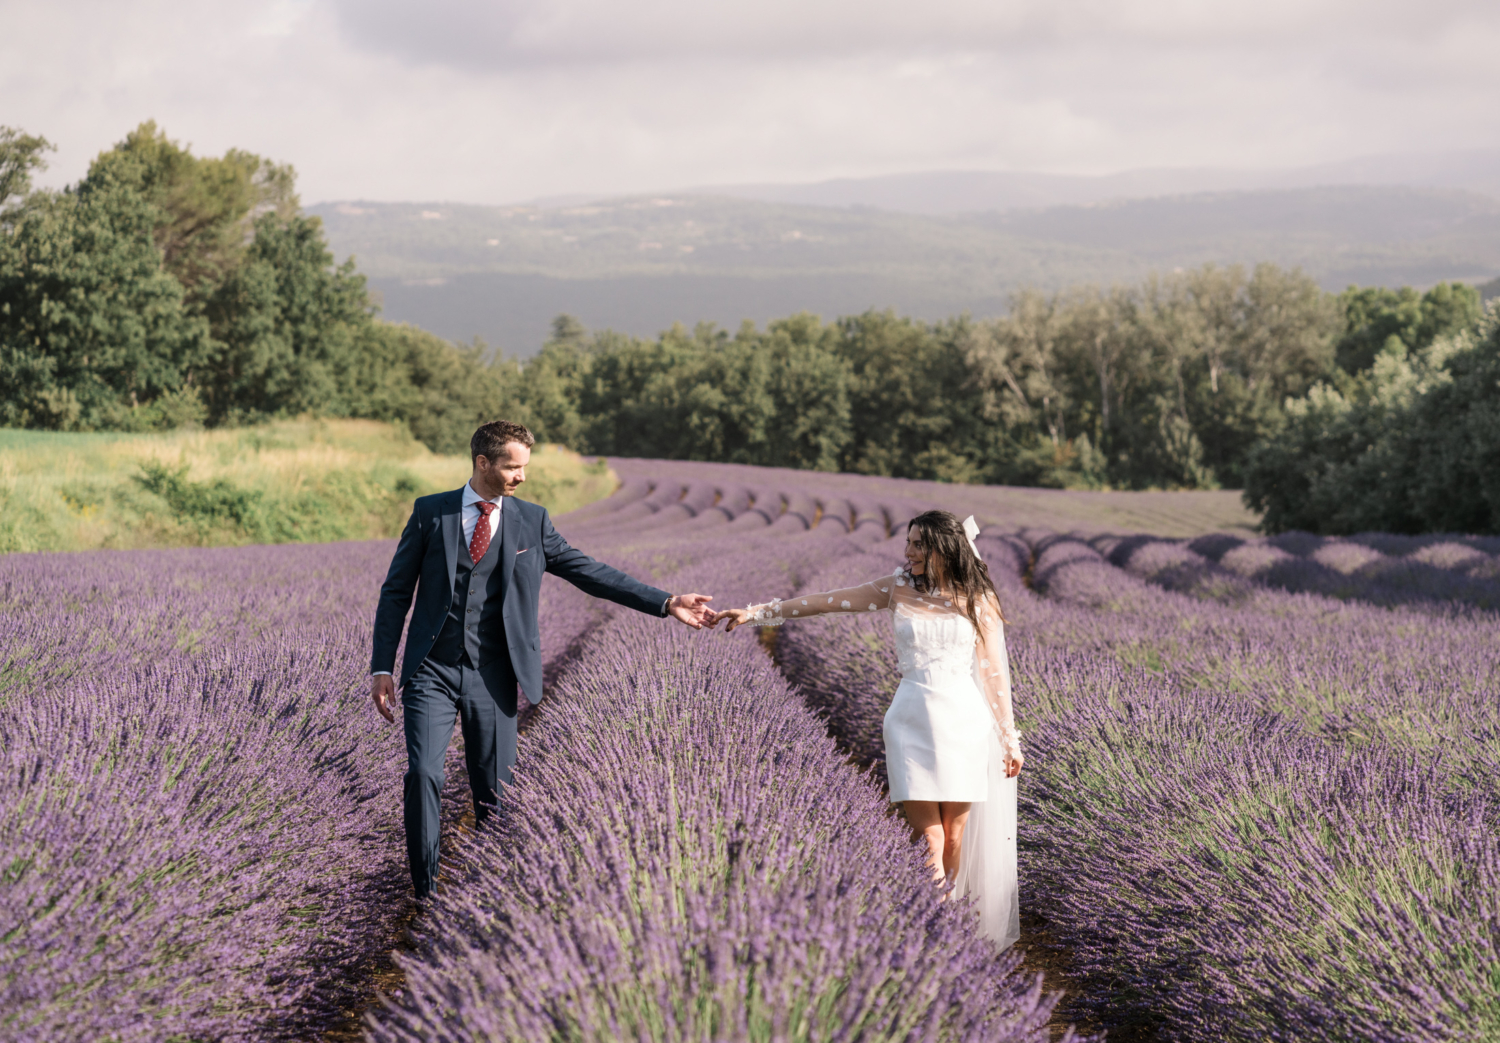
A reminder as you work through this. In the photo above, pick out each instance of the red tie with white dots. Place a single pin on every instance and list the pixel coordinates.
(481, 540)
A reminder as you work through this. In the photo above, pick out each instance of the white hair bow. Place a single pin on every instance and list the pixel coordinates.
(971, 529)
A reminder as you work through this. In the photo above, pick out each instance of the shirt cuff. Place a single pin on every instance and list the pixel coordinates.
(380, 673)
(667, 603)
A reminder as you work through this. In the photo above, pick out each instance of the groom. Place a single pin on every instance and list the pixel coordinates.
(474, 558)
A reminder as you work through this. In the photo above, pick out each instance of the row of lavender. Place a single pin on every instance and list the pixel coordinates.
(1442, 573)
(685, 854)
(199, 810)
(1273, 817)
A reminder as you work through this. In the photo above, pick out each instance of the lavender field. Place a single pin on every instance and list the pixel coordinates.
(1260, 799)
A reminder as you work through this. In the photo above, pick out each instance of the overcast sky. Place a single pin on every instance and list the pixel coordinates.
(504, 100)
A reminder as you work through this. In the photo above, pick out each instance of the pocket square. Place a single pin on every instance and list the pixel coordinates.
(523, 550)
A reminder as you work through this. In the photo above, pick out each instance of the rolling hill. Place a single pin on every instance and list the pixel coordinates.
(640, 264)
(972, 191)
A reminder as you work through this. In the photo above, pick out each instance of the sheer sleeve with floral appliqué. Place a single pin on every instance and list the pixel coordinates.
(874, 596)
(994, 675)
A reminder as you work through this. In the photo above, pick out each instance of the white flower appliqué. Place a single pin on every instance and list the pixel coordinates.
(765, 615)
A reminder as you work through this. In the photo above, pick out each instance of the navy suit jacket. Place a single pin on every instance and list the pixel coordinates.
(427, 559)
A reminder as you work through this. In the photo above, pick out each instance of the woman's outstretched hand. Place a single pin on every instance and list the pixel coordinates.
(735, 617)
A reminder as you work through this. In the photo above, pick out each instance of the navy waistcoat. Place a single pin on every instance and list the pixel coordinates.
(474, 625)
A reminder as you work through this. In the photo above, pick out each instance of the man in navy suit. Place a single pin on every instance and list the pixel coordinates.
(474, 559)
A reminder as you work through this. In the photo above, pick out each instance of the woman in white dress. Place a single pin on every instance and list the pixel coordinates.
(951, 744)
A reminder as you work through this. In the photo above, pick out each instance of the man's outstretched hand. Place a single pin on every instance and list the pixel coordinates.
(383, 691)
(692, 609)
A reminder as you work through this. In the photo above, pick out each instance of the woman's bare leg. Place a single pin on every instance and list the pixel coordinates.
(926, 821)
(955, 816)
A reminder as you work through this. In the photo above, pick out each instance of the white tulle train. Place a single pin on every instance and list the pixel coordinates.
(987, 859)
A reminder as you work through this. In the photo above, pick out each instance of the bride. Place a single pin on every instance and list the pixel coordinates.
(951, 745)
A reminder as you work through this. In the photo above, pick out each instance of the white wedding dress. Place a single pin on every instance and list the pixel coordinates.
(949, 727)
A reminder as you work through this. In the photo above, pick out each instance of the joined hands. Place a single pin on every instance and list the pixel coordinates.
(735, 616)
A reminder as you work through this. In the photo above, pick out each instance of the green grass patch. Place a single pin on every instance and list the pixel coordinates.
(303, 481)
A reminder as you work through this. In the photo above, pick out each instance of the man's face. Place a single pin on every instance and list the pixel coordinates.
(508, 470)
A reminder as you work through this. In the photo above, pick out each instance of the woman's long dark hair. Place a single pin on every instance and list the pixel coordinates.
(946, 545)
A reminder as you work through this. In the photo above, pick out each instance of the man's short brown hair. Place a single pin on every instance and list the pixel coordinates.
(491, 438)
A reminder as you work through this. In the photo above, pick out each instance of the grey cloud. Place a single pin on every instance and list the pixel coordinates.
(505, 34)
(517, 98)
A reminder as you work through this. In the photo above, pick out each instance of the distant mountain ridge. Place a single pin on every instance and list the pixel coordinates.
(638, 264)
(961, 192)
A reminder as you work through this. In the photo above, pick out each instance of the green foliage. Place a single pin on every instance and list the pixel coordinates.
(440, 391)
(217, 502)
(1410, 445)
(167, 290)
(1167, 385)
(288, 327)
(20, 155)
(1376, 317)
(777, 397)
(222, 510)
(105, 289)
(1067, 391)
(912, 409)
(808, 393)
(91, 327)
(204, 206)
(552, 383)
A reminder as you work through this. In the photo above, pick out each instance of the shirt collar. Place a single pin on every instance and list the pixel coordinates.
(471, 497)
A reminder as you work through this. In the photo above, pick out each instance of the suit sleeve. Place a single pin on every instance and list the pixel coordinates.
(596, 578)
(396, 594)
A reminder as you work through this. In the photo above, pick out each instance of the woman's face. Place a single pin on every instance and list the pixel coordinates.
(916, 552)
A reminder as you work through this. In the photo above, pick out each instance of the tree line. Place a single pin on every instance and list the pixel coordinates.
(166, 289)
(1170, 384)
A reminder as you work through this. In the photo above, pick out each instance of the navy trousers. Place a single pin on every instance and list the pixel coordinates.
(485, 701)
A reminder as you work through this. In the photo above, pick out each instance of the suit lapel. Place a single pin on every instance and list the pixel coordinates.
(453, 531)
(510, 531)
